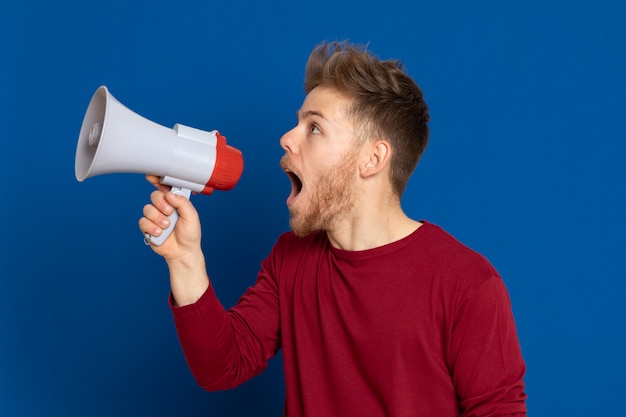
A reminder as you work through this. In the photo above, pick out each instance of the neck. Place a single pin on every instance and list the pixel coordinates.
(371, 228)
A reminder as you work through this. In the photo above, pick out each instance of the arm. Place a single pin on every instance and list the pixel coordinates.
(181, 251)
(226, 348)
(486, 360)
(223, 349)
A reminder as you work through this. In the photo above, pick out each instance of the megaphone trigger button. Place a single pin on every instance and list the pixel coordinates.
(146, 239)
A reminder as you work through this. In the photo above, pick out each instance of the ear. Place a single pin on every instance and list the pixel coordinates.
(375, 157)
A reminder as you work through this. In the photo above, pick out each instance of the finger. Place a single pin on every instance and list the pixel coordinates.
(155, 216)
(148, 227)
(158, 199)
(156, 181)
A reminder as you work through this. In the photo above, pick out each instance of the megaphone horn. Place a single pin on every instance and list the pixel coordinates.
(114, 139)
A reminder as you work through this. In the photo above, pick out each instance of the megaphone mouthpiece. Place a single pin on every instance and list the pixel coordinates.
(228, 166)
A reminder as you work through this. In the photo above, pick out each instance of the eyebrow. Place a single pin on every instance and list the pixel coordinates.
(310, 113)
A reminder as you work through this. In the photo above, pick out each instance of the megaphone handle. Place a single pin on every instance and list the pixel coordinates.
(158, 240)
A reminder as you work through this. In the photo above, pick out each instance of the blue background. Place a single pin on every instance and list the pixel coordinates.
(525, 165)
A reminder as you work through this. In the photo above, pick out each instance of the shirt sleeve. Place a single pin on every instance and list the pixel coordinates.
(226, 348)
(486, 360)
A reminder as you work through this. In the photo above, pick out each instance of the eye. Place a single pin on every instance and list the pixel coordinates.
(314, 129)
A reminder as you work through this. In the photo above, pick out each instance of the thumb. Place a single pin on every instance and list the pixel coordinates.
(179, 199)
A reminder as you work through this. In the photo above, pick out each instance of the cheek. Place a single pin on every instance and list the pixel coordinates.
(321, 175)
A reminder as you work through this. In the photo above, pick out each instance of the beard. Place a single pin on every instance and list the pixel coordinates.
(332, 199)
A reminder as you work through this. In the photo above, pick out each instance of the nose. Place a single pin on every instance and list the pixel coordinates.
(287, 141)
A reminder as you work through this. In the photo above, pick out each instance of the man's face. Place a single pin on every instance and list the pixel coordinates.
(320, 159)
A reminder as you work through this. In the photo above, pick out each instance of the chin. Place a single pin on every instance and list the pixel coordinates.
(301, 226)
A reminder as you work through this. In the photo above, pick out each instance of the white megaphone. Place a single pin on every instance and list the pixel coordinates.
(113, 139)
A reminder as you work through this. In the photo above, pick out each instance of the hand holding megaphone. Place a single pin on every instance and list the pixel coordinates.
(113, 139)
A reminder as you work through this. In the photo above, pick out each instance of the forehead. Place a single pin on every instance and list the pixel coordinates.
(327, 103)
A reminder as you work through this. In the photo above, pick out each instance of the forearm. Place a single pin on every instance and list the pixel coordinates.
(188, 278)
(218, 352)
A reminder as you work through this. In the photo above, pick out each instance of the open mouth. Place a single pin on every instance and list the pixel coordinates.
(296, 183)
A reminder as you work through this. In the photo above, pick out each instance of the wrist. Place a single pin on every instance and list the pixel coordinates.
(188, 278)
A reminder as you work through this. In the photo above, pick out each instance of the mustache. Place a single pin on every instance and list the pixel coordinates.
(285, 163)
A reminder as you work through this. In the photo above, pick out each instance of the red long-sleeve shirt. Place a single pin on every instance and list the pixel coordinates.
(419, 327)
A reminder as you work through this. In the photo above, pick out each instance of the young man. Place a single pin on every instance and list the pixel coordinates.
(377, 314)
